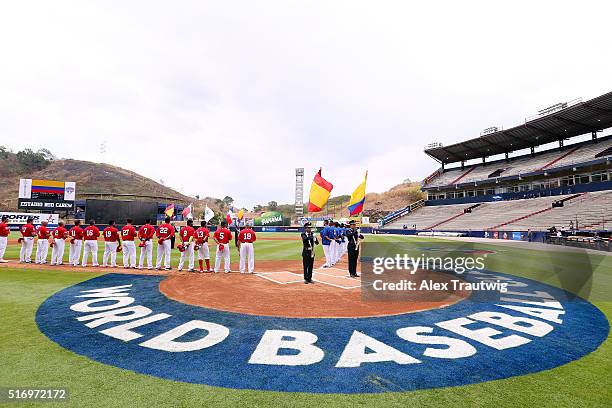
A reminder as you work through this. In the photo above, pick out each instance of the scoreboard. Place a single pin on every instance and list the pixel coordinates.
(46, 195)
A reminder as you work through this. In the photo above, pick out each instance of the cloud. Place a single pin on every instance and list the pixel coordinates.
(228, 98)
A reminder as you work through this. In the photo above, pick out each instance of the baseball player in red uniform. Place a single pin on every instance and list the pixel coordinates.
(4, 233)
(201, 236)
(128, 233)
(164, 233)
(76, 243)
(42, 243)
(146, 233)
(111, 244)
(90, 243)
(246, 237)
(187, 235)
(59, 243)
(222, 237)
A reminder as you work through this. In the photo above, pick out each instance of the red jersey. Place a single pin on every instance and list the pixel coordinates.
(27, 230)
(187, 233)
(128, 232)
(223, 235)
(202, 234)
(111, 234)
(247, 235)
(4, 229)
(146, 232)
(42, 232)
(76, 232)
(91, 233)
(165, 231)
(60, 233)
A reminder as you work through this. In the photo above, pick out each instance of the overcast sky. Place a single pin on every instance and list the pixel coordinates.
(228, 97)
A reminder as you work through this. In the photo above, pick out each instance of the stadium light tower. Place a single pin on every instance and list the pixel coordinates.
(299, 193)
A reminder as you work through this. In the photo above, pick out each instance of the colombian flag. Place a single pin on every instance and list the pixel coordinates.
(358, 198)
(319, 193)
(48, 187)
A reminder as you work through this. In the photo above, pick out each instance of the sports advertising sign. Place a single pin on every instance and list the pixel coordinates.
(17, 219)
(46, 194)
(271, 218)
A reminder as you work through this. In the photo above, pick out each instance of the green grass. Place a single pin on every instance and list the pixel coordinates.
(29, 359)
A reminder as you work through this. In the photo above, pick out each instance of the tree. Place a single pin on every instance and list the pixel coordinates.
(272, 205)
(46, 153)
(4, 152)
(197, 197)
(30, 160)
(258, 208)
(228, 201)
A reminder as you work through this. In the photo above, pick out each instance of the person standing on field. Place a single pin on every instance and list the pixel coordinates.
(76, 243)
(202, 235)
(42, 244)
(187, 235)
(354, 238)
(308, 251)
(326, 243)
(5, 231)
(90, 243)
(128, 233)
(246, 237)
(146, 233)
(28, 231)
(112, 243)
(59, 242)
(222, 237)
(165, 232)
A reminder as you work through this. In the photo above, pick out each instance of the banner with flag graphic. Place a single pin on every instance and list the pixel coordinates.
(187, 212)
(358, 198)
(208, 214)
(320, 189)
(169, 211)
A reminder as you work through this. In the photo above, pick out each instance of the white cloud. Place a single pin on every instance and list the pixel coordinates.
(228, 98)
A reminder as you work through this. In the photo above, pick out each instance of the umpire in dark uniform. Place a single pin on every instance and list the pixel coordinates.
(308, 252)
(353, 237)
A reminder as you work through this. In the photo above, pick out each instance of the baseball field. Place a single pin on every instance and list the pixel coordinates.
(40, 346)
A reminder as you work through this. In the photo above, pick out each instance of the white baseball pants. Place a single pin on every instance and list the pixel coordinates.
(203, 252)
(146, 252)
(187, 252)
(57, 253)
(27, 245)
(247, 252)
(3, 245)
(74, 252)
(42, 250)
(110, 253)
(90, 247)
(163, 253)
(129, 254)
(226, 258)
(327, 253)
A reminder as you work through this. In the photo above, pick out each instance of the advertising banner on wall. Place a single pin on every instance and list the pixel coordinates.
(16, 219)
(271, 218)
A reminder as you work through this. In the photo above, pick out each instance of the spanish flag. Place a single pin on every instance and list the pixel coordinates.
(319, 193)
(169, 211)
(358, 198)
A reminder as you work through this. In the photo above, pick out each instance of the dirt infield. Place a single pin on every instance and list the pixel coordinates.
(269, 292)
(255, 295)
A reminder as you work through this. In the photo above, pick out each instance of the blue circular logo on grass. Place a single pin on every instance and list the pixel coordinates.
(124, 321)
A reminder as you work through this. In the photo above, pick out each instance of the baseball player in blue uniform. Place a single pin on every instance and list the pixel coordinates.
(326, 243)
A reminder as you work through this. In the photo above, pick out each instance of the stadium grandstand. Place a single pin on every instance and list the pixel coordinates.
(551, 171)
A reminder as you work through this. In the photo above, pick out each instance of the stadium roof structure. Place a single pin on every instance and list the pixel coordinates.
(571, 120)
